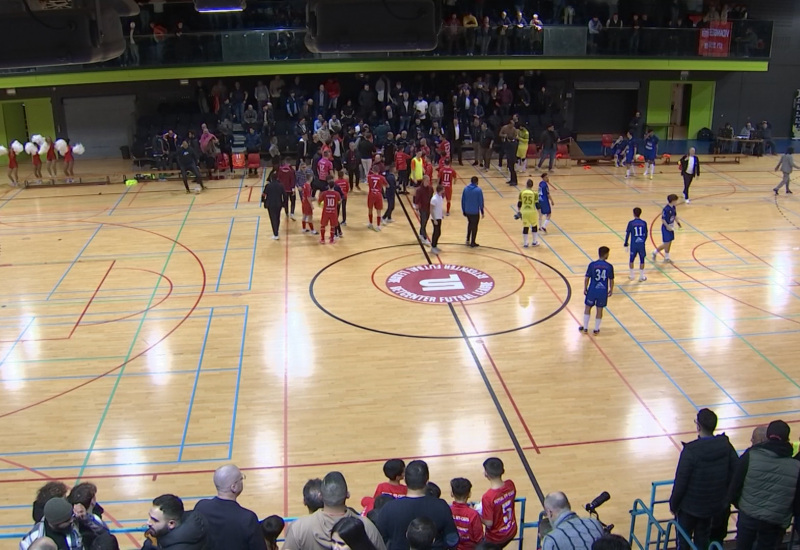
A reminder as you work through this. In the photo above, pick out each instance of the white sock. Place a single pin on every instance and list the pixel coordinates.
(627, 172)
(597, 323)
(641, 272)
(631, 273)
(525, 239)
(666, 255)
(546, 221)
(586, 321)
(535, 237)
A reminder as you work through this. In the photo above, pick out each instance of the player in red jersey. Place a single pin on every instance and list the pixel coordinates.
(394, 469)
(467, 519)
(342, 183)
(51, 158)
(329, 200)
(287, 176)
(401, 160)
(498, 512)
(308, 207)
(427, 168)
(423, 146)
(444, 151)
(375, 185)
(325, 166)
(447, 178)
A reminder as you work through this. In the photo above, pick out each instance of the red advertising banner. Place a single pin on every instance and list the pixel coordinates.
(715, 41)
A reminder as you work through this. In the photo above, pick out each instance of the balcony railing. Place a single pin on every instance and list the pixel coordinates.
(739, 40)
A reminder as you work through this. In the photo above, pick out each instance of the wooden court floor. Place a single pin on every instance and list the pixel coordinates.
(148, 336)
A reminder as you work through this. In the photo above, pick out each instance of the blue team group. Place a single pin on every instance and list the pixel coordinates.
(599, 280)
(626, 153)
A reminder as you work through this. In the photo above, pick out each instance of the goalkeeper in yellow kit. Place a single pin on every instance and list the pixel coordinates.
(527, 207)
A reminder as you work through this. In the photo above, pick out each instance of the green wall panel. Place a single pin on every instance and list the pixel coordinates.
(39, 113)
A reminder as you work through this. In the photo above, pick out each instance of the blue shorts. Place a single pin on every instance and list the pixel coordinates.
(638, 251)
(545, 207)
(667, 236)
(650, 157)
(629, 158)
(596, 299)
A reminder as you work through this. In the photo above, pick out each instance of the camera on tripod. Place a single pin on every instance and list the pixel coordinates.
(592, 507)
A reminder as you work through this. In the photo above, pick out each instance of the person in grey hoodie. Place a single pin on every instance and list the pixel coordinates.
(786, 165)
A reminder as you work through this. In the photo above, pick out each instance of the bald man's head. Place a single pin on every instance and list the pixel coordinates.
(229, 481)
(556, 504)
(43, 544)
(759, 435)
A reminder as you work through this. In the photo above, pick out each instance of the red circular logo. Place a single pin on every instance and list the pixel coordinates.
(439, 283)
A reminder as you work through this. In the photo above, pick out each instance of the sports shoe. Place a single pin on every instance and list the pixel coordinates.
(425, 241)
(306, 230)
(332, 241)
(543, 230)
(275, 237)
(583, 330)
(435, 251)
(687, 201)
(447, 213)
(524, 246)
(667, 261)
(776, 192)
(474, 245)
(654, 253)
(322, 241)
(651, 176)
(596, 332)
(466, 242)
(291, 217)
(535, 244)
(315, 232)
(631, 277)
(642, 278)
(789, 192)
(344, 224)
(369, 226)
(377, 228)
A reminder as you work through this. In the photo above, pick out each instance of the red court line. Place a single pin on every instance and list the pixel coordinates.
(42, 475)
(144, 351)
(250, 195)
(285, 374)
(757, 257)
(592, 339)
(152, 307)
(89, 303)
(136, 194)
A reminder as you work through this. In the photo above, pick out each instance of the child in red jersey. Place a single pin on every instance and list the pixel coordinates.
(498, 507)
(342, 183)
(447, 177)
(308, 207)
(394, 469)
(467, 519)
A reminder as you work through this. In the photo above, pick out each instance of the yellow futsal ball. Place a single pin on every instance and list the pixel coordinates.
(131, 182)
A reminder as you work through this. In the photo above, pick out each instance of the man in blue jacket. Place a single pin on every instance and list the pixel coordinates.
(472, 208)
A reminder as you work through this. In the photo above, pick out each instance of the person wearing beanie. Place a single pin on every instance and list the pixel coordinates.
(704, 472)
(58, 525)
(766, 490)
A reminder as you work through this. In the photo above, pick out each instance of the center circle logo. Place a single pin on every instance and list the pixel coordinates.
(439, 283)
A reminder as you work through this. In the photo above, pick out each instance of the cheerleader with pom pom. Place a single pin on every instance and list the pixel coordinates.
(33, 150)
(50, 150)
(69, 160)
(13, 165)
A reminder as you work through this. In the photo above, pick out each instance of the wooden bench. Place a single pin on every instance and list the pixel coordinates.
(51, 182)
(730, 158)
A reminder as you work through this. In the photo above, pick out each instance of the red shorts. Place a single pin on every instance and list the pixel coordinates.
(448, 193)
(329, 219)
(375, 200)
(12, 163)
(307, 210)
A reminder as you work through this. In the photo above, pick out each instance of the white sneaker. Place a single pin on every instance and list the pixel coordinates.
(306, 230)
(344, 224)
(642, 278)
(424, 241)
(688, 201)
(369, 226)
(524, 246)
(315, 232)
(377, 228)
(291, 217)
(535, 244)
(631, 277)
(274, 237)
(654, 254)
(435, 251)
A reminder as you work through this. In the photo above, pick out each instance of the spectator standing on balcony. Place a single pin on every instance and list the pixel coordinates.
(569, 530)
(484, 33)
(614, 33)
(451, 32)
(522, 101)
(520, 36)
(506, 98)
(333, 90)
(766, 490)
(131, 58)
(537, 35)
(231, 526)
(405, 110)
(267, 120)
(182, 43)
(705, 470)
(159, 39)
(503, 30)
(470, 25)
(636, 35)
(595, 27)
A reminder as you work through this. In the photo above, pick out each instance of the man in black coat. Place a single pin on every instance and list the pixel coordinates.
(187, 162)
(272, 197)
(173, 528)
(690, 169)
(705, 470)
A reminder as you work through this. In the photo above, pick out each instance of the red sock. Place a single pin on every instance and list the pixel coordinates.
(322, 233)
(304, 224)
(448, 207)
(311, 226)
(370, 217)
(379, 221)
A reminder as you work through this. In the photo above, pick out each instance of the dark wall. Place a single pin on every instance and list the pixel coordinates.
(765, 96)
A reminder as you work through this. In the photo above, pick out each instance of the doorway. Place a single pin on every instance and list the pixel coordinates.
(680, 107)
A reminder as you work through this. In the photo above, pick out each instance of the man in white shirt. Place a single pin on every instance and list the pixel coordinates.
(421, 107)
(437, 215)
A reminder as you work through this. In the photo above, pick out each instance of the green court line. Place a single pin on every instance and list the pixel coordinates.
(130, 350)
(687, 292)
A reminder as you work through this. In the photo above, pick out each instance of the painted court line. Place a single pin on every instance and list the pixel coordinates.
(194, 385)
(74, 261)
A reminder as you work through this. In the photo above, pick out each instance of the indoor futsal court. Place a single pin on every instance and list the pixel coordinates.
(149, 336)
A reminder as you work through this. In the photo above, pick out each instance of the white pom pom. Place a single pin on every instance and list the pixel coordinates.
(44, 148)
(79, 149)
(3, 151)
(31, 148)
(61, 146)
(37, 139)
(16, 146)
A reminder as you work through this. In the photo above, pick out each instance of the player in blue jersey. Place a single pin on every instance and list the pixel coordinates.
(669, 218)
(545, 202)
(650, 152)
(616, 150)
(636, 236)
(630, 155)
(598, 286)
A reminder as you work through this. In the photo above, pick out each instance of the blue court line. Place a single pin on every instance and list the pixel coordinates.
(241, 183)
(238, 382)
(124, 312)
(146, 254)
(6, 201)
(764, 400)
(666, 333)
(716, 242)
(112, 449)
(253, 260)
(27, 506)
(776, 414)
(224, 254)
(126, 375)
(119, 200)
(550, 248)
(71, 265)
(14, 344)
(482, 174)
(194, 385)
(722, 336)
